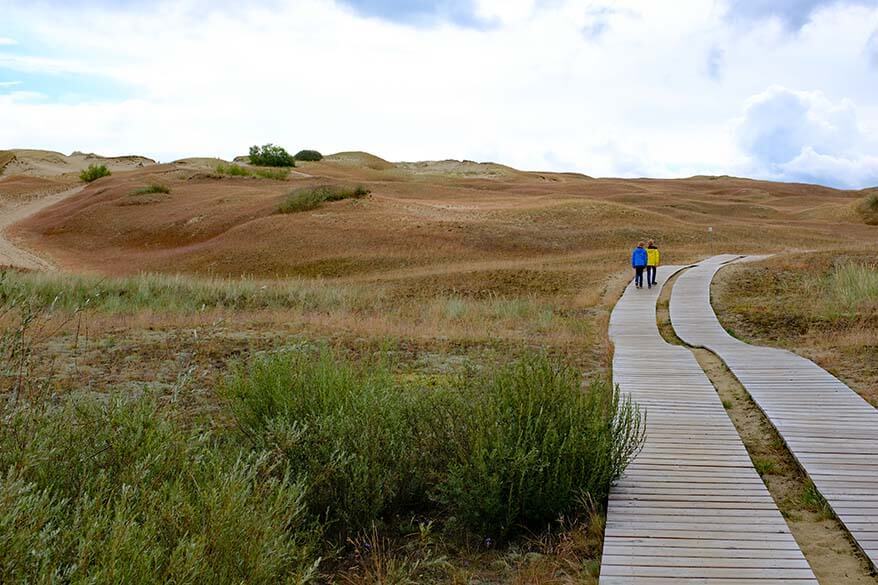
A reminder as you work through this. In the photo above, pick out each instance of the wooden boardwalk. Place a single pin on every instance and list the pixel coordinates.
(690, 509)
(830, 430)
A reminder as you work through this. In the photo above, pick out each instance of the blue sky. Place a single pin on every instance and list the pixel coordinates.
(763, 88)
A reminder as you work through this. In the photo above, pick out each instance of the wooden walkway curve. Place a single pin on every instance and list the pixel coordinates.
(830, 430)
(691, 508)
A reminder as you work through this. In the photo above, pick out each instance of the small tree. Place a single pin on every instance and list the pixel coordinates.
(270, 155)
(308, 155)
(94, 172)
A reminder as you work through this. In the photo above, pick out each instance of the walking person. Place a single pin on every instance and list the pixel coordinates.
(638, 262)
(653, 257)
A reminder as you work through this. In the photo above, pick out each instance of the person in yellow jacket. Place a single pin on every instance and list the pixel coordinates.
(653, 257)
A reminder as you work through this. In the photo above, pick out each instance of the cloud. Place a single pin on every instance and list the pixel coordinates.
(793, 14)
(421, 12)
(9, 84)
(803, 136)
(6, 41)
(530, 90)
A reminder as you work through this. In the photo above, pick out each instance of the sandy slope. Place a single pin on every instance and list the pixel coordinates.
(12, 255)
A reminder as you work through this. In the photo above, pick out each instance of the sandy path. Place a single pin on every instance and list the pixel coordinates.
(12, 255)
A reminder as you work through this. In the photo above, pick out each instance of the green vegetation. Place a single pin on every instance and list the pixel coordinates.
(310, 198)
(234, 170)
(93, 173)
(308, 155)
(153, 188)
(270, 155)
(499, 451)
(121, 493)
(326, 454)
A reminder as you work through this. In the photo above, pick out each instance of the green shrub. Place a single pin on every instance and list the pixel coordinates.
(308, 155)
(119, 493)
(153, 188)
(94, 172)
(233, 170)
(312, 197)
(368, 446)
(270, 155)
(539, 445)
(515, 447)
(273, 174)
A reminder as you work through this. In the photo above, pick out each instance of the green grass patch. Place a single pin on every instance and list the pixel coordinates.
(233, 170)
(153, 188)
(273, 174)
(868, 209)
(94, 172)
(310, 198)
(236, 170)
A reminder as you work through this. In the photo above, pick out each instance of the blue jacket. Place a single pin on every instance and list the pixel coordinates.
(638, 258)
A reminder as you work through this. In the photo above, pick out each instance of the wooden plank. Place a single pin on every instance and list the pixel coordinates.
(831, 431)
(690, 508)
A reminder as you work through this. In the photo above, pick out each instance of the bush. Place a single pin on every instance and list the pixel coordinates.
(270, 155)
(308, 155)
(273, 174)
(94, 172)
(233, 170)
(539, 446)
(313, 197)
(514, 447)
(119, 493)
(153, 188)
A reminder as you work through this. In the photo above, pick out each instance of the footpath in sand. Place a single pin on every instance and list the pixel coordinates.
(691, 508)
(830, 430)
(10, 253)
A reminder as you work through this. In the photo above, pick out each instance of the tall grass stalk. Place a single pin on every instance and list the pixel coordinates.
(851, 286)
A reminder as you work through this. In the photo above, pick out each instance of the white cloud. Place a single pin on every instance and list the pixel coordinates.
(5, 41)
(639, 98)
(804, 136)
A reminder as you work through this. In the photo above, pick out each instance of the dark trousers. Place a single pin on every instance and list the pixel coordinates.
(650, 275)
(638, 276)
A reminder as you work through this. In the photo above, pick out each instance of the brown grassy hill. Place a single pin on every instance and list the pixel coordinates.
(415, 225)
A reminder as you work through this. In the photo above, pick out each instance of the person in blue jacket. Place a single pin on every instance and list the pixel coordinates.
(638, 261)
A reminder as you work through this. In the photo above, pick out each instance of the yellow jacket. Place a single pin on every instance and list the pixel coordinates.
(653, 256)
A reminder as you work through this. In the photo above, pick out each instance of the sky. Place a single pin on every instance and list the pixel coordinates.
(775, 89)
